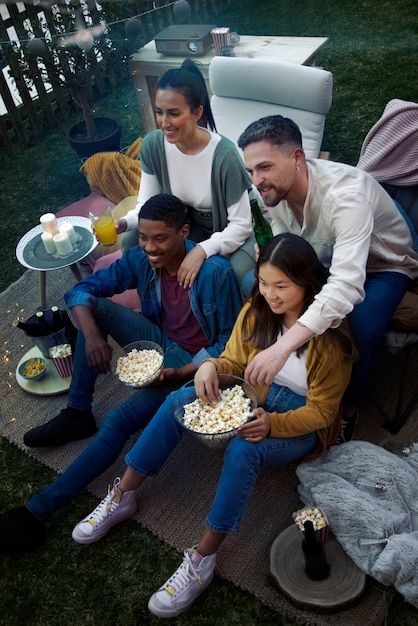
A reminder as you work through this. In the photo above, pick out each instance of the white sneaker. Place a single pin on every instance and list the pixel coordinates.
(184, 586)
(114, 508)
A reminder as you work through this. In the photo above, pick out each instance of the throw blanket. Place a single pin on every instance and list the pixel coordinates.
(113, 174)
(357, 512)
(390, 149)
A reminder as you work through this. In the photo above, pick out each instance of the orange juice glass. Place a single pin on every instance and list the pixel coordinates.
(104, 225)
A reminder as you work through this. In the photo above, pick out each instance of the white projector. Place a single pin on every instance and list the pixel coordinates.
(180, 39)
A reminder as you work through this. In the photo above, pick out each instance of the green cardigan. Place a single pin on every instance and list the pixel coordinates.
(229, 178)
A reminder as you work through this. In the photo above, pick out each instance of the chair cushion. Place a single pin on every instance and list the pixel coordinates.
(245, 90)
(83, 206)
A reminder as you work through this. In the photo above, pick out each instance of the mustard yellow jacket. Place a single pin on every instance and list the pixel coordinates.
(328, 374)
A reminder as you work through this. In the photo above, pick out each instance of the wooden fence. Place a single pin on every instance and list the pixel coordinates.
(131, 25)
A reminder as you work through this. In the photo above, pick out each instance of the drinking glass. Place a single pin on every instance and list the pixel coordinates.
(104, 224)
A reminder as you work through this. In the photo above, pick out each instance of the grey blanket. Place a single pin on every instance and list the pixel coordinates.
(358, 513)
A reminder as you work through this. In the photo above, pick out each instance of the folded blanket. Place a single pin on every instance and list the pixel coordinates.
(361, 516)
(390, 150)
(113, 174)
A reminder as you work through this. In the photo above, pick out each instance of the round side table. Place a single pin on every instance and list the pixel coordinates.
(31, 253)
(49, 385)
(344, 584)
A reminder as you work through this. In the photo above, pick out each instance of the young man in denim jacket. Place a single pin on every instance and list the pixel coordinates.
(190, 325)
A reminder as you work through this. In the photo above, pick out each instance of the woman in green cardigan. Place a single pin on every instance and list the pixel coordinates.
(188, 158)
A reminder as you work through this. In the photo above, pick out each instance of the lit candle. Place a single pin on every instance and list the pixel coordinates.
(68, 228)
(63, 244)
(49, 223)
(48, 241)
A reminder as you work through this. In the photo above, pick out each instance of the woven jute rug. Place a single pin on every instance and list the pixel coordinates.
(174, 505)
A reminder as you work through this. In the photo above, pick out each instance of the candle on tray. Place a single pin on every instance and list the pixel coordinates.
(49, 223)
(63, 244)
(48, 241)
(68, 228)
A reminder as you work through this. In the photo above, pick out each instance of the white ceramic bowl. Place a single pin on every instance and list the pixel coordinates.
(187, 394)
(141, 380)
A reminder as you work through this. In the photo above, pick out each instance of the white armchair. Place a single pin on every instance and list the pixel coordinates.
(245, 90)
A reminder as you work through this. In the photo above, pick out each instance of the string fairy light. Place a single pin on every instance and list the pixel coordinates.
(181, 11)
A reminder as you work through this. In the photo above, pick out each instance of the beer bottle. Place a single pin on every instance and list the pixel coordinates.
(316, 564)
(262, 229)
(30, 329)
(43, 326)
(57, 322)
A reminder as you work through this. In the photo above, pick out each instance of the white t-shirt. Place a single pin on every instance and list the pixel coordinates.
(190, 180)
(293, 373)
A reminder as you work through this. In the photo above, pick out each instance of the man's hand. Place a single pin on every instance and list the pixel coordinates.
(265, 365)
(257, 429)
(270, 361)
(98, 355)
(190, 266)
(206, 382)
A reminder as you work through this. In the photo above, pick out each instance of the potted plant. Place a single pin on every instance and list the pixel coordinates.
(80, 56)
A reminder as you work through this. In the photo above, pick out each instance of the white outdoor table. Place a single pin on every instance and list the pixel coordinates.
(148, 65)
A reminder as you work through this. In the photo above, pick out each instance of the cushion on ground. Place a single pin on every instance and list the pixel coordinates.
(128, 298)
(83, 206)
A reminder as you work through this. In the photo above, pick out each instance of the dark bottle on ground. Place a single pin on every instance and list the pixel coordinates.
(316, 564)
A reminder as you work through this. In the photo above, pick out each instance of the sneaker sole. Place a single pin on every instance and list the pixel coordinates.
(159, 612)
(87, 539)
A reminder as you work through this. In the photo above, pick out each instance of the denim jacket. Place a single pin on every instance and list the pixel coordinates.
(214, 297)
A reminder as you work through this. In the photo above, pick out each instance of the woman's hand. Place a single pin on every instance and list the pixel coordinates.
(190, 266)
(257, 429)
(206, 382)
(121, 226)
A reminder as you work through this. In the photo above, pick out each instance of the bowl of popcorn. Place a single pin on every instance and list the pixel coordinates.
(62, 357)
(139, 363)
(216, 422)
(33, 369)
(318, 518)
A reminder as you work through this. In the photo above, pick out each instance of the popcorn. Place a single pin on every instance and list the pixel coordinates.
(60, 351)
(232, 410)
(138, 366)
(318, 518)
(63, 359)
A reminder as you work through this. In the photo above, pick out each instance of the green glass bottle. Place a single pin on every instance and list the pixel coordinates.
(262, 229)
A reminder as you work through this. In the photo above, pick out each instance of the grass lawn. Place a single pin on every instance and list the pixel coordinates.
(373, 54)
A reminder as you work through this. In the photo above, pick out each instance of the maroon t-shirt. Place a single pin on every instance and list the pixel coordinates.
(178, 321)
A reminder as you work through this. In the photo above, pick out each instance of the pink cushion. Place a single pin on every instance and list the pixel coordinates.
(83, 206)
(128, 298)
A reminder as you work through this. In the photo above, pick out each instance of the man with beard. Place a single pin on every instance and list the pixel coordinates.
(359, 235)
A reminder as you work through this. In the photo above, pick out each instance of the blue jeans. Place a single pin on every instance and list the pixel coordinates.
(125, 326)
(368, 321)
(122, 422)
(242, 460)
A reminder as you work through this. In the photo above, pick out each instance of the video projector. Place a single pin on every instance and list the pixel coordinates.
(184, 39)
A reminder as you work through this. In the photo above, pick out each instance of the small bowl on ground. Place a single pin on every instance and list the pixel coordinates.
(33, 369)
(138, 364)
(242, 394)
